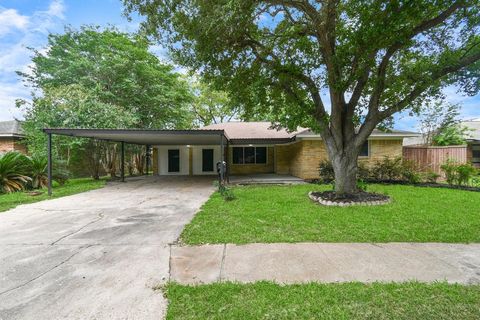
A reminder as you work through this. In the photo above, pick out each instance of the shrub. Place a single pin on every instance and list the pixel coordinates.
(431, 176)
(387, 169)
(37, 171)
(363, 172)
(13, 172)
(458, 174)
(464, 173)
(325, 171)
(449, 168)
(410, 173)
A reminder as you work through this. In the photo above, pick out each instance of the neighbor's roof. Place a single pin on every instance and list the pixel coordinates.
(12, 128)
(474, 125)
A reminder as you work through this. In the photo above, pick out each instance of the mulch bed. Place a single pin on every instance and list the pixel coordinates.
(330, 198)
(422, 184)
(356, 197)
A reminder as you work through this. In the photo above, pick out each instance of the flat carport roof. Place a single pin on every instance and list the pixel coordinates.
(146, 136)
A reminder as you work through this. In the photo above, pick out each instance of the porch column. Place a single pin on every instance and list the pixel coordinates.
(122, 161)
(222, 158)
(49, 163)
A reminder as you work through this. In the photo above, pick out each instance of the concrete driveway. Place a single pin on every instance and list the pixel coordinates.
(98, 254)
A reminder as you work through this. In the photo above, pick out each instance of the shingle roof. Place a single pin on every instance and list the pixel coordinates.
(11, 128)
(252, 130)
(264, 130)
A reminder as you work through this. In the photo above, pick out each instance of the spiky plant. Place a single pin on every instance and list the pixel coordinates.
(38, 172)
(13, 172)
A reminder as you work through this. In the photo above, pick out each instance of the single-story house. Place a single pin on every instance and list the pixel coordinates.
(256, 147)
(246, 147)
(11, 136)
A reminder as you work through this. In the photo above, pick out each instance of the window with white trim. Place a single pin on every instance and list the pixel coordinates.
(249, 155)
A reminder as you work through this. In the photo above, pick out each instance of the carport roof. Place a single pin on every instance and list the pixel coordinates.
(146, 136)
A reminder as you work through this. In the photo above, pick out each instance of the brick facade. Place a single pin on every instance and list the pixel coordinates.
(300, 159)
(12, 144)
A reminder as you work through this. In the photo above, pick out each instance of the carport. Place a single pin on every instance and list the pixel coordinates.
(146, 137)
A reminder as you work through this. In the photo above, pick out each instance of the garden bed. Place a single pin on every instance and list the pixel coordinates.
(330, 198)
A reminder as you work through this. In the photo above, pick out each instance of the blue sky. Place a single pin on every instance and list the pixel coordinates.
(26, 23)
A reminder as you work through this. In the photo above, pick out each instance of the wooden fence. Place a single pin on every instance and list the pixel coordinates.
(431, 158)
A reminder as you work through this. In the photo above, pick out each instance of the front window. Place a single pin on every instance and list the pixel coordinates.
(365, 151)
(249, 155)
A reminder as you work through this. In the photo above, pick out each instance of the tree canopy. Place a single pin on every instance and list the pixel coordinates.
(340, 67)
(116, 69)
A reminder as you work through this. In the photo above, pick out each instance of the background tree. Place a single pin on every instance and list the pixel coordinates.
(437, 116)
(94, 78)
(368, 59)
(211, 106)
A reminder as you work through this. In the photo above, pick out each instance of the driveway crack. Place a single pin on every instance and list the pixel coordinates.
(47, 271)
(100, 216)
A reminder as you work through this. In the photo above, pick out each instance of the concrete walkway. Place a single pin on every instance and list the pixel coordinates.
(326, 262)
(98, 254)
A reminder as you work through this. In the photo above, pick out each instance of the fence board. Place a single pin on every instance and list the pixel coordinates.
(431, 158)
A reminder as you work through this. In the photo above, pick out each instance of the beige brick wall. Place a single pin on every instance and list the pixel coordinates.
(301, 159)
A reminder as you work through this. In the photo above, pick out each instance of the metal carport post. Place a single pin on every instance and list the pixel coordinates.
(49, 163)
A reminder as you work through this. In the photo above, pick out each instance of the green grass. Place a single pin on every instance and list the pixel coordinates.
(11, 200)
(264, 300)
(285, 214)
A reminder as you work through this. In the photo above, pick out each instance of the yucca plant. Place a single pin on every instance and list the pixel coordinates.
(13, 172)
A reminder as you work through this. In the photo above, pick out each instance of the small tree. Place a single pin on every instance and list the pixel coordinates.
(436, 116)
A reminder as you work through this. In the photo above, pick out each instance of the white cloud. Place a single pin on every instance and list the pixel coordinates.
(10, 20)
(31, 31)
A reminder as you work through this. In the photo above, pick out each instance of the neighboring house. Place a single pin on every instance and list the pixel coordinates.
(473, 140)
(255, 147)
(11, 136)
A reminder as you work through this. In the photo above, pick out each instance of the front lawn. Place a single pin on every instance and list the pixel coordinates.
(264, 300)
(11, 200)
(285, 214)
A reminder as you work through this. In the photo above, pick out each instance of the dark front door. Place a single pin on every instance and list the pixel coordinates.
(174, 160)
(207, 160)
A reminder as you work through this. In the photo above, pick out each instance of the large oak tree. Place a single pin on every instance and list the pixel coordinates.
(368, 58)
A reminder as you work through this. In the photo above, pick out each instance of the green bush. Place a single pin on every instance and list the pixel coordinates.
(325, 171)
(13, 172)
(458, 174)
(388, 169)
(363, 172)
(431, 176)
(410, 173)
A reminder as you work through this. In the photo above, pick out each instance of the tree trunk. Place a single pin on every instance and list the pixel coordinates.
(345, 168)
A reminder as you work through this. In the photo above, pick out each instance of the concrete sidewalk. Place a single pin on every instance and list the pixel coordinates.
(326, 262)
